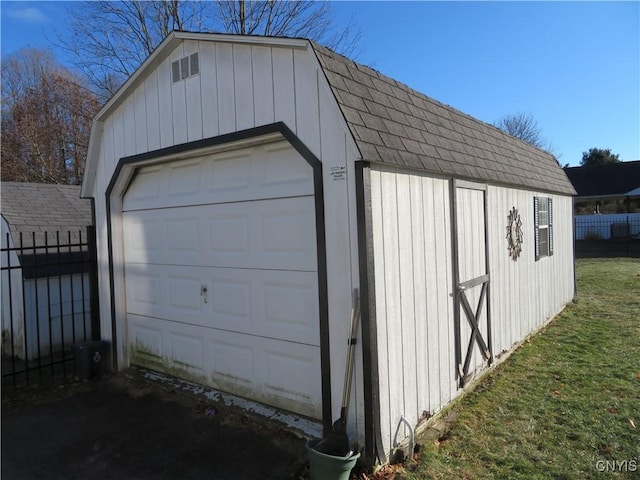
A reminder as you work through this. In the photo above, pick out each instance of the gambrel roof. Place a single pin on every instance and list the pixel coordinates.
(390, 123)
(395, 124)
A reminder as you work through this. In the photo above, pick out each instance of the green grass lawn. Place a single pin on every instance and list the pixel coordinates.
(564, 405)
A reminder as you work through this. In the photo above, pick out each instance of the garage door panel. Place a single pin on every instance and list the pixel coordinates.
(221, 274)
(283, 168)
(183, 180)
(233, 362)
(186, 350)
(290, 305)
(147, 186)
(267, 234)
(265, 303)
(230, 174)
(182, 233)
(272, 371)
(142, 238)
(231, 300)
(267, 171)
(282, 305)
(184, 293)
(281, 235)
(286, 232)
(146, 288)
(162, 303)
(146, 341)
(150, 293)
(229, 234)
(291, 382)
(150, 236)
(289, 369)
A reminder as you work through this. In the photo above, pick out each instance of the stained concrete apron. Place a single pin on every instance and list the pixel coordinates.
(126, 427)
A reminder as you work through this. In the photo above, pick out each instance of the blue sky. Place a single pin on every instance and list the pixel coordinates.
(574, 66)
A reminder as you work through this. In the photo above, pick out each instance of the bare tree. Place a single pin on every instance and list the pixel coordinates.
(46, 120)
(522, 126)
(108, 40)
(304, 19)
(525, 127)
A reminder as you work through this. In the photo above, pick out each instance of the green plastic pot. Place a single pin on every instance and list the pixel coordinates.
(329, 467)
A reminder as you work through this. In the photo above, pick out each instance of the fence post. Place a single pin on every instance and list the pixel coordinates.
(574, 245)
(93, 282)
(11, 319)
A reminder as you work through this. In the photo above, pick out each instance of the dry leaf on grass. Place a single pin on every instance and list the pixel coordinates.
(388, 472)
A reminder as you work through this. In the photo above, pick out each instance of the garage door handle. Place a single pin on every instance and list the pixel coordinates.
(204, 293)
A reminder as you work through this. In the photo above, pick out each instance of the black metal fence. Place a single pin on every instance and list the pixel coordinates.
(49, 303)
(615, 235)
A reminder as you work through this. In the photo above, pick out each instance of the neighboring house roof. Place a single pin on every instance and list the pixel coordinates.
(390, 122)
(39, 208)
(609, 180)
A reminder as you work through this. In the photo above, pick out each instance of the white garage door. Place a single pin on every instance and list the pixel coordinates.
(221, 274)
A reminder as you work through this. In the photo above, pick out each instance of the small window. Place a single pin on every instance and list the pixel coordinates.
(543, 218)
(185, 67)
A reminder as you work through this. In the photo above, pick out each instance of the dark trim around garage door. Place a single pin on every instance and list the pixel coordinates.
(314, 162)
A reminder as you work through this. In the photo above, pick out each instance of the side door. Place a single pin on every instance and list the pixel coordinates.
(472, 312)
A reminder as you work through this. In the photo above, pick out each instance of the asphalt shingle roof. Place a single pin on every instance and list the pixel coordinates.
(394, 124)
(39, 208)
(601, 180)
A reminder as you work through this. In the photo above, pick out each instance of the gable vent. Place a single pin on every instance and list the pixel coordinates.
(185, 67)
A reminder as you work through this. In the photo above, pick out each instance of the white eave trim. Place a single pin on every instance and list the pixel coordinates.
(247, 39)
(89, 178)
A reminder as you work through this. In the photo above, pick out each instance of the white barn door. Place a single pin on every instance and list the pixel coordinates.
(221, 274)
(472, 313)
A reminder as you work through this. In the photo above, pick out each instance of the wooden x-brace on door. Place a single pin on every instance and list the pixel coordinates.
(473, 317)
(471, 280)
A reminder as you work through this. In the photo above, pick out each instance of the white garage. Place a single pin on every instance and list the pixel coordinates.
(244, 187)
(221, 274)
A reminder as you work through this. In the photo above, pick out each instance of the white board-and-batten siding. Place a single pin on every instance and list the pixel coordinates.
(526, 293)
(413, 270)
(411, 228)
(242, 84)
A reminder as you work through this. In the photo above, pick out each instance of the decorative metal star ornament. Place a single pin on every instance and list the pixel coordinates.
(514, 234)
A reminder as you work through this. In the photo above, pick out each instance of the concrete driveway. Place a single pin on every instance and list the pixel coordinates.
(128, 427)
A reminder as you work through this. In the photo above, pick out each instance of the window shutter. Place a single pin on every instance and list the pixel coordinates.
(536, 226)
(550, 226)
